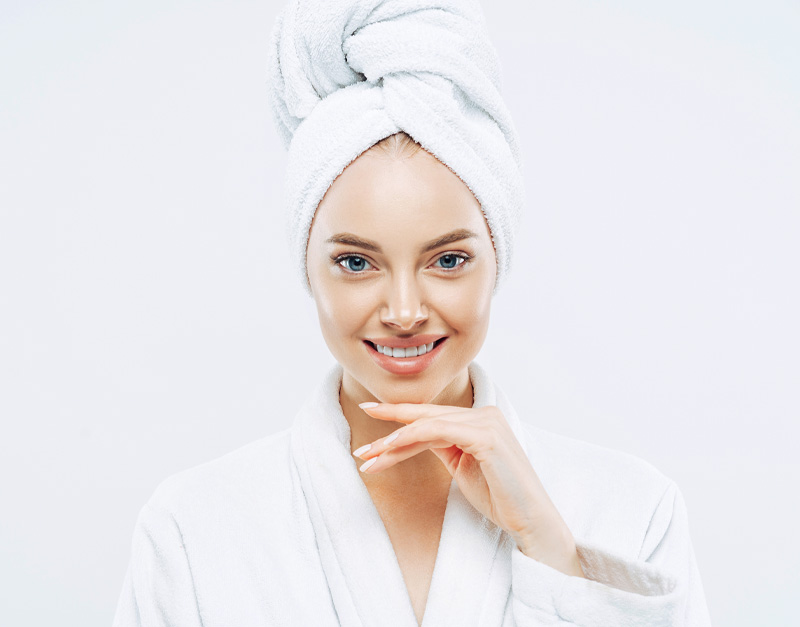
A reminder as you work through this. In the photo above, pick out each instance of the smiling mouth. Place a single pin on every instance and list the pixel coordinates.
(409, 355)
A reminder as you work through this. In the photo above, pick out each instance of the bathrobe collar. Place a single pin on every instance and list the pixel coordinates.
(472, 568)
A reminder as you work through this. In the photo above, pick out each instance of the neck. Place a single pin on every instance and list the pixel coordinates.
(423, 469)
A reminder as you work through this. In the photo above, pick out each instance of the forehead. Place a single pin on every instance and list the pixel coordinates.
(414, 197)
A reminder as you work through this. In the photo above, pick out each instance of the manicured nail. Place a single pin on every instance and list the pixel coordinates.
(368, 405)
(392, 437)
(360, 451)
(368, 463)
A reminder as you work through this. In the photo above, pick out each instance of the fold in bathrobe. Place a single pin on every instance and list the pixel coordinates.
(283, 532)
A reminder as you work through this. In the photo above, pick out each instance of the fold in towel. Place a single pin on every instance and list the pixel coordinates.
(345, 74)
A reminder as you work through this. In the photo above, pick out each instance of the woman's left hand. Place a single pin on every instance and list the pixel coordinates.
(483, 455)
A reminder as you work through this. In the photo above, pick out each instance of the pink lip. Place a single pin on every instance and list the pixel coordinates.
(406, 365)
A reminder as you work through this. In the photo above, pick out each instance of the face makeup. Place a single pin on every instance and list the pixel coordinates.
(400, 257)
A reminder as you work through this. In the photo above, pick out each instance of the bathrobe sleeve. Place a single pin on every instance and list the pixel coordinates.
(660, 588)
(158, 590)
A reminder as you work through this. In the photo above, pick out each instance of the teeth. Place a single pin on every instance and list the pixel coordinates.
(412, 351)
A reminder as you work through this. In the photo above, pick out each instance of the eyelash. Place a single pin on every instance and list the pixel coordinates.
(338, 261)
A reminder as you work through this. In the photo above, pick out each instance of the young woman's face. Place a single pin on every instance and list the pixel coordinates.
(379, 275)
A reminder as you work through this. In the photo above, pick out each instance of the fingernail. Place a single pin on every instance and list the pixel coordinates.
(367, 405)
(392, 437)
(368, 463)
(360, 451)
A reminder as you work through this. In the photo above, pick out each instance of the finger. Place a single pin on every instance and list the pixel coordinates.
(378, 448)
(409, 412)
(470, 437)
(385, 443)
(395, 455)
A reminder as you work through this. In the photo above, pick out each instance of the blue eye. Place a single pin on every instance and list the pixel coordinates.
(354, 263)
(451, 258)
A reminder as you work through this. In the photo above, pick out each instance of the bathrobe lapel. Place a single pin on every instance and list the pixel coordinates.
(471, 577)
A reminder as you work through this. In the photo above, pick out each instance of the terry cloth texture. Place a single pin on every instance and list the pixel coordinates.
(283, 531)
(345, 74)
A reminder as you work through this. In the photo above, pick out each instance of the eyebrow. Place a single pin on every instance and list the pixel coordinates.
(353, 240)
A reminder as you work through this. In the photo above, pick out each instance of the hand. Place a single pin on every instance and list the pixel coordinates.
(481, 452)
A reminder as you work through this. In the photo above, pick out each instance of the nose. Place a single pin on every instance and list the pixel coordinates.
(404, 307)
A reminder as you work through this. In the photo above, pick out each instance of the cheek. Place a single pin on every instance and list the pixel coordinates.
(466, 307)
(341, 316)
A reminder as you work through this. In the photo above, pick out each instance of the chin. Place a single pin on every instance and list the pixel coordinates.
(420, 388)
(419, 392)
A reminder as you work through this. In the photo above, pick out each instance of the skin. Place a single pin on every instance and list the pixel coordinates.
(400, 204)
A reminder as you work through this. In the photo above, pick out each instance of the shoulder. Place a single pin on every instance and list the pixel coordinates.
(602, 492)
(589, 460)
(245, 477)
(227, 525)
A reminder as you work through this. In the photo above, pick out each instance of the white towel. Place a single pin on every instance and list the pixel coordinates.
(345, 74)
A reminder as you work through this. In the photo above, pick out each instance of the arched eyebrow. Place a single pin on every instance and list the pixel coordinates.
(353, 240)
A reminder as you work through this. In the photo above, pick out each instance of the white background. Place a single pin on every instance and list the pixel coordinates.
(150, 319)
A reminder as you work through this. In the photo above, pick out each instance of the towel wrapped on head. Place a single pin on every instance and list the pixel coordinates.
(345, 74)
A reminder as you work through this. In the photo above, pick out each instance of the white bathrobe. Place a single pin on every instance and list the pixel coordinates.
(282, 531)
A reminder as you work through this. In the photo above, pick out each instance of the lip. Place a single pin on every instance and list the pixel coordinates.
(405, 342)
(406, 365)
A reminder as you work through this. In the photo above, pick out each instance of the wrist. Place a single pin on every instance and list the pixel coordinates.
(561, 554)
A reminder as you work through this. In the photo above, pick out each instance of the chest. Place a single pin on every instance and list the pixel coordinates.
(414, 526)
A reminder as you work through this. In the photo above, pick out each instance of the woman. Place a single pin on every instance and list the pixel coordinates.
(407, 490)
